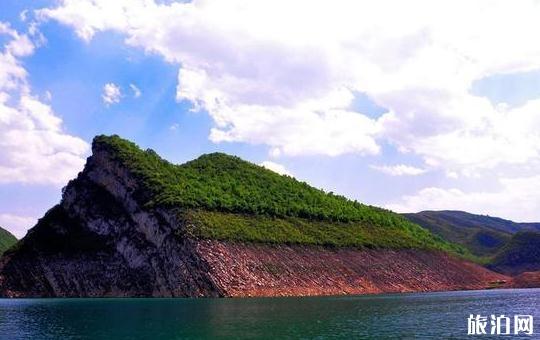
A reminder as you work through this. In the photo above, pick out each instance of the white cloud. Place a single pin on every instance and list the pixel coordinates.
(399, 170)
(136, 91)
(291, 85)
(236, 67)
(33, 146)
(515, 198)
(276, 167)
(452, 174)
(111, 94)
(17, 225)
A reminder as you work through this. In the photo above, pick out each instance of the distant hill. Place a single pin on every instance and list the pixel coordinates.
(6, 240)
(502, 245)
(520, 254)
(483, 235)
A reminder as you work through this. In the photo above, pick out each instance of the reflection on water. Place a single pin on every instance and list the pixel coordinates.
(431, 315)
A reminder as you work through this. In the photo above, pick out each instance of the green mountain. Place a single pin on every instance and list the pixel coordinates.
(520, 254)
(6, 240)
(227, 198)
(133, 224)
(484, 236)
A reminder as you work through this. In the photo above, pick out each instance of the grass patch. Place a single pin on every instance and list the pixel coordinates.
(294, 230)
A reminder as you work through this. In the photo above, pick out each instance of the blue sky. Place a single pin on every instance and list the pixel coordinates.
(415, 115)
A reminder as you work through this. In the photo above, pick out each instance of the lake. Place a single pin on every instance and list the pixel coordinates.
(427, 315)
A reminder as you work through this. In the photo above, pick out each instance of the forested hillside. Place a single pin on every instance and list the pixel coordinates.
(230, 198)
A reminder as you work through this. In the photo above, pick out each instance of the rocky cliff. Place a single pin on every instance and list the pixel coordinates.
(115, 234)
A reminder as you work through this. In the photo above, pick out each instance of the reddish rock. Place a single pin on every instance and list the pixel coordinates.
(526, 280)
(285, 270)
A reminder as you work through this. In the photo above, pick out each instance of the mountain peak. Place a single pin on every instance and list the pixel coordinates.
(222, 182)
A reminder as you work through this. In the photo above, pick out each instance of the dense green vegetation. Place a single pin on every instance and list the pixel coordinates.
(521, 254)
(235, 199)
(6, 240)
(484, 236)
(479, 236)
(227, 183)
(294, 230)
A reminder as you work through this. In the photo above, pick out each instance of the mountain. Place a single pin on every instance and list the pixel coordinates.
(133, 224)
(484, 236)
(6, 240)
(503, 246)
(520, 254)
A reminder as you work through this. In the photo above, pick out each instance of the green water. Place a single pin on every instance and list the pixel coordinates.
(428, 315)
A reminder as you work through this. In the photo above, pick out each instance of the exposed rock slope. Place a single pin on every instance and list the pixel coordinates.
(115, 234)
(283, 270)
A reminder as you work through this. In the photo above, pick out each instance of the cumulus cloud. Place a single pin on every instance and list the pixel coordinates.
(276, 167)
(17, 225)
(111, 94)
(291, 85)
(253, 82)
(33, 146)
(516, 198)
(399, 170)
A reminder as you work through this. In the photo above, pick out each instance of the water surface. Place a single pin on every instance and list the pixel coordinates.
(426, 315)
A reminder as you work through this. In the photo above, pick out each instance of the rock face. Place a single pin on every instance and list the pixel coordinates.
(282, 270)
(526, 280)
(101, 241)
